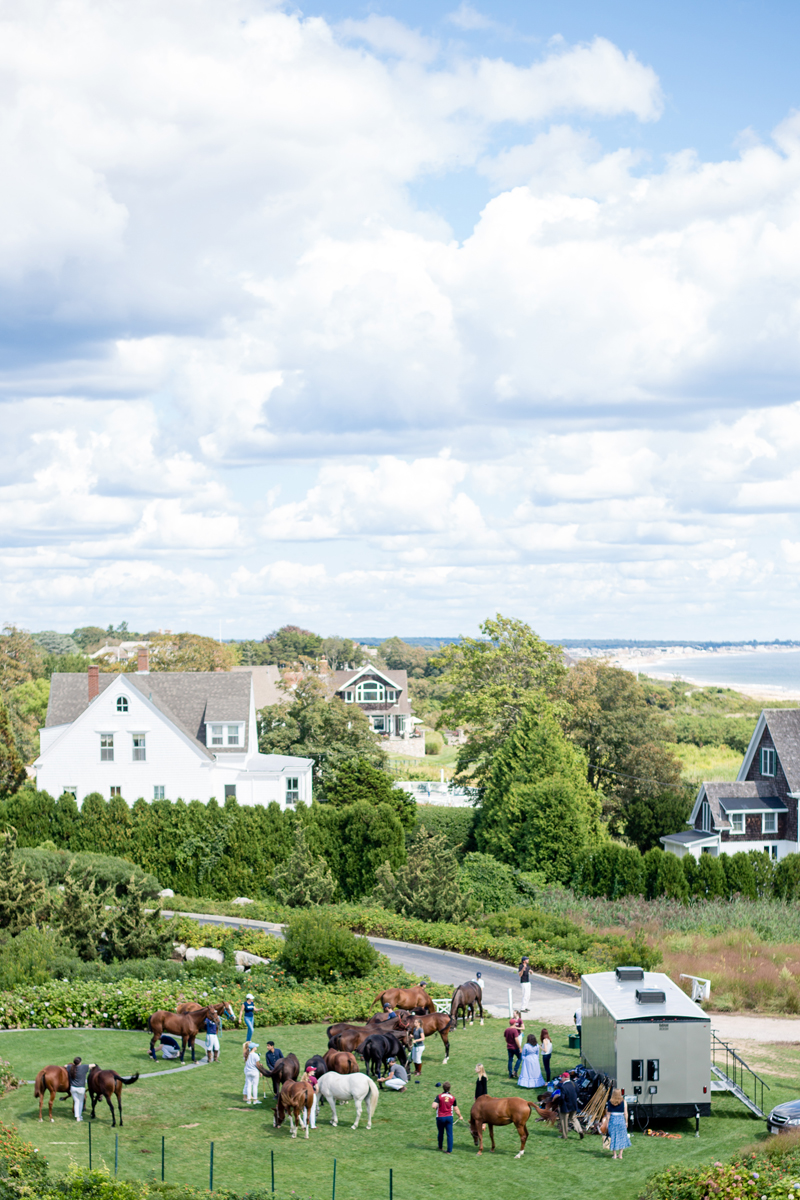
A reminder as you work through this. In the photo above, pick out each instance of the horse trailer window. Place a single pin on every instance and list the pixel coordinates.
(637, 1070)
(652, 1070)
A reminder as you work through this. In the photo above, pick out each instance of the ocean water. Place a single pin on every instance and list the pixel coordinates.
(778, 669)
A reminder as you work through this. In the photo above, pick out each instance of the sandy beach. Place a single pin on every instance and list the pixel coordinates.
(667, 664)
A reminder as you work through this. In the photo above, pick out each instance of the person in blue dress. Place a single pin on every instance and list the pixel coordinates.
(617, 1109)
(530, 1072)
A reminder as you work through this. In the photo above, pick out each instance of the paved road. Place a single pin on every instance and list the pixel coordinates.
(551, 1000)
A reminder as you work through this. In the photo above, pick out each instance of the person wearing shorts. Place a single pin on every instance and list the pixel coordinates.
(417, 1049)
(212, 1040)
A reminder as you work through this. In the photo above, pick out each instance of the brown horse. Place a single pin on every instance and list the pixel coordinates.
(285, 1070)
(296, 1100)
(511, 1110)
(104, 1085)
(415, 997)
(441, 1023)
(465, 998)
(184, 1025)
(341, 1062)
(350, 1037)
(52, 1080)
(547, 1108)
(379, 1021)
(222, 1010)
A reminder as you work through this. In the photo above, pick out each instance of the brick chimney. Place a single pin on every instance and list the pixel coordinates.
(143, 661)
(94, 682)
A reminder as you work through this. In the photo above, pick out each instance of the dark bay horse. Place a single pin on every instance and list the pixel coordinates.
(104, 1085)
(415, 997)
(465, 998)
(341, 1062)
(379, 1022)
(52, 1080)
(286, 1070)
(295, 1100)
(511, 1110)
(378, 1048)
(186, 1026)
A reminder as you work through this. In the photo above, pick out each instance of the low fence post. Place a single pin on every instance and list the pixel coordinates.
(162, 1158)
(272, 1165)
(211, 1169)
(333, 1193)
(391, 1183)
(116, 1153)
(90, 1147)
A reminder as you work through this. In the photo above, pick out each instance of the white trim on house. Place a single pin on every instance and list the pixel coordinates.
(758, 733)
(369, 670)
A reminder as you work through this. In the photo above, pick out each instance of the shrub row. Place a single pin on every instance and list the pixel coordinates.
(771, 1173)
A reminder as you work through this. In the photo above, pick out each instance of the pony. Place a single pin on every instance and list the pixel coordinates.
(511, 1110)
(465, 998)
(378, 1048)
(286, 1070)
(295, 1100)
(184, 1025)
(441, 1023)
(341, 1062)
(105, 1084)
(415, 997)
(333, 1087)
(51, 1079)
(222, 1010)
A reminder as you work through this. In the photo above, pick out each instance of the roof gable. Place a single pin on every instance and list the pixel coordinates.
(783, 726)
(344, 679)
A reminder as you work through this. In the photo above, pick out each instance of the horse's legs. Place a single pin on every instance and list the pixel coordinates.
(152, 1050)
(307, 1122)
(291, 1125)
(491, 1135)
(111, 1107)
(480, 1007)
(52, 1098)
(41, 1102)
(358, 1112)
(93, 1097)
(446, 1041)
(119, 1102)
(192, 1036)
(334, 1119)
(522, 1130)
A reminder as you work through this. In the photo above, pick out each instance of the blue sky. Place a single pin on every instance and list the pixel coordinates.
(388, 317)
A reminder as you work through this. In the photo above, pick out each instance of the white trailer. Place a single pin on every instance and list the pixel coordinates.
(640, 1029)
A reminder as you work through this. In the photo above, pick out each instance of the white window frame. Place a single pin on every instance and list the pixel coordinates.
(348, 697)
(122, 704)
(115, 790)
(107, 750)
(159, 791)
(218, 735)
(232, 735)
(376, 728)
(229, 791)
(292, 793)
(139, 753)
(737, 816)
(706, 824)
(379, 698)
(773, 817)
(71, 789)
(768, 762)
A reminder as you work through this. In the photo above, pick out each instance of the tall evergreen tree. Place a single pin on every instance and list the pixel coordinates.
(428, 886)
(12, 768)
(21, 898)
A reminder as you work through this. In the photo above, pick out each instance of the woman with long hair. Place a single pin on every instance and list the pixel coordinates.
(547, 1050)
(530, 1075)
(617, 1109)
(481, 1083)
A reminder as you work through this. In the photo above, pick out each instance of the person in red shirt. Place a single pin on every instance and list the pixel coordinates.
(444, 1106)
(513, 1039)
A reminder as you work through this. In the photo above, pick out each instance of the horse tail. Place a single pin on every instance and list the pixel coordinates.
(38, 1087)
(454, 1003)
(378, 999)
(149, 1026)
(373, 1097)
(126, 1080)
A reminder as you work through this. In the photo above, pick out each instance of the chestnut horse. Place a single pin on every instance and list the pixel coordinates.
(415, 997)
(105, 1084)
(296, 1100)
(511, 1110)
(465, 997)
(441, 1023)
(285, 1071)
(222, 1010)
(341, 1062)
(51, 1079)
(185, 1025)
(379, 1023)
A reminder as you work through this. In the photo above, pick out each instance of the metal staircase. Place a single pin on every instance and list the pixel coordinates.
(736, 1077)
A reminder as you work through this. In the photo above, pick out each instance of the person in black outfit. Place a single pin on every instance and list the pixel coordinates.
(481, 1083)
(568, 1111)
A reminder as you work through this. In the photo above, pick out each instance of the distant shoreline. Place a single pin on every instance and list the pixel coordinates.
(632, 660)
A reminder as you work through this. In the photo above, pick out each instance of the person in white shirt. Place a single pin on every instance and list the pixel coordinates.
(251, 1073)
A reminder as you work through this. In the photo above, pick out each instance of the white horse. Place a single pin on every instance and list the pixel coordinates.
(349, 1087)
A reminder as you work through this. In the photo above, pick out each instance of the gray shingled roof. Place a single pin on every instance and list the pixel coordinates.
(687, 837)
(398, 678)
(182, 696)
(784, 728)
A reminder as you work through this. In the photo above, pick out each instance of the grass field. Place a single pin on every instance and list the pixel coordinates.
(192, 1108)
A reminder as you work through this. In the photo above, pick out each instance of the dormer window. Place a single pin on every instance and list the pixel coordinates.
(228, 734)
(767, 761)
(348, 697)
(705, 817)
(371, 692)
(122, 703)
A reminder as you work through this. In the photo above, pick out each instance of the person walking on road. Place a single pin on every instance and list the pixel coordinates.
(251, 1073)
(513, 1044)
(617, 1109)
(78, 1072)
(524, 972)
(444, 1106)
(568, 1112)
(417, 1048)
(546, 1051)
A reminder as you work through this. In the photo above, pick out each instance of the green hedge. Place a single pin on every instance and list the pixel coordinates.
(456, 824)
(52, 867)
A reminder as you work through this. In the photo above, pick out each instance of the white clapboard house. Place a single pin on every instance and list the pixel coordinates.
(162, 735)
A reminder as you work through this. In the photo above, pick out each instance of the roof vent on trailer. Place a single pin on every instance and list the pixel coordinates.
(650, 996)
(628, 973)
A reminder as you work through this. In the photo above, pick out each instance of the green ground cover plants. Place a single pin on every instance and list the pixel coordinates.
(192, 1108)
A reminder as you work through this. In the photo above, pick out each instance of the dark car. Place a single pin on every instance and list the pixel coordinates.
(784, 1117)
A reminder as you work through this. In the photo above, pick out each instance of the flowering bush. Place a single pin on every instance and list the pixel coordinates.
(8, 1080)
(757, 1177)
(22, 1167)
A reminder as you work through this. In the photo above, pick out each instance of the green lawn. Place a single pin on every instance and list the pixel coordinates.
(207, 1102)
